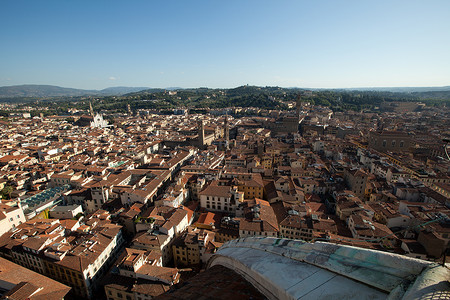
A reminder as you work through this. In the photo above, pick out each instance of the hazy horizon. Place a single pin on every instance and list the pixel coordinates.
(231, 87)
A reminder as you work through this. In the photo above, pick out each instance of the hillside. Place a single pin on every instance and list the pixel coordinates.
(404, 89)
(43, 91)
(112, 99)
(32, 90)
(121, 90)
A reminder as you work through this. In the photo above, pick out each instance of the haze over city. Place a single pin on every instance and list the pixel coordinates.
(311, 44)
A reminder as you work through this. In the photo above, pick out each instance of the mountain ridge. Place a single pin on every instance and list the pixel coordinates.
(42, 91)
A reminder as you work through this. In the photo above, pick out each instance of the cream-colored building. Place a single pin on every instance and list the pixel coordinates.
(10, 218)
(49, 247)
(221, 198)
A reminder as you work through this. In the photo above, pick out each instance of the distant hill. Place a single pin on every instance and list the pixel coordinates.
(120, 90)
(32, 90)
(145, 92)
(404, 89)
(42, 91)
(256, 90)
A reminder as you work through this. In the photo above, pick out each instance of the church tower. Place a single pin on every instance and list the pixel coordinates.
(298, 106)
(227, 133)
(201, 133)
(91, 110)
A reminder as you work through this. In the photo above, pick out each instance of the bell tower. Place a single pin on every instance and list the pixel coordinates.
(227, 133)
(201, 133)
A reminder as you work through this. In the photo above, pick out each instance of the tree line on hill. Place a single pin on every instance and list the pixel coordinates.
(244, 96)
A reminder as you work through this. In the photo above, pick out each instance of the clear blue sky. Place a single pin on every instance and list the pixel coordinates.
(318, 44)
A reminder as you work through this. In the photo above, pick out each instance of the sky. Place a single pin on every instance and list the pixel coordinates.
(223, 44)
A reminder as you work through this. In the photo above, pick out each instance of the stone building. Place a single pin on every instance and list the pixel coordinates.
(393, 141)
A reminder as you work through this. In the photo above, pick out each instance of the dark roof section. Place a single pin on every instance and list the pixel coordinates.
(215, 283)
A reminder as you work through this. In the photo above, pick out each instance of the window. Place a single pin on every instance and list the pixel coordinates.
(384, 143)
(401, 144)
(393, 143)
(119, 295)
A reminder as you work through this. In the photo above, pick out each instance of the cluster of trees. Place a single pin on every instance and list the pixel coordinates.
(244, 96)
(357, 100)
(5, 193)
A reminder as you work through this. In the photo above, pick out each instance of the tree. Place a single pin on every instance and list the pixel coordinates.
(6, 192)
(78, 216)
